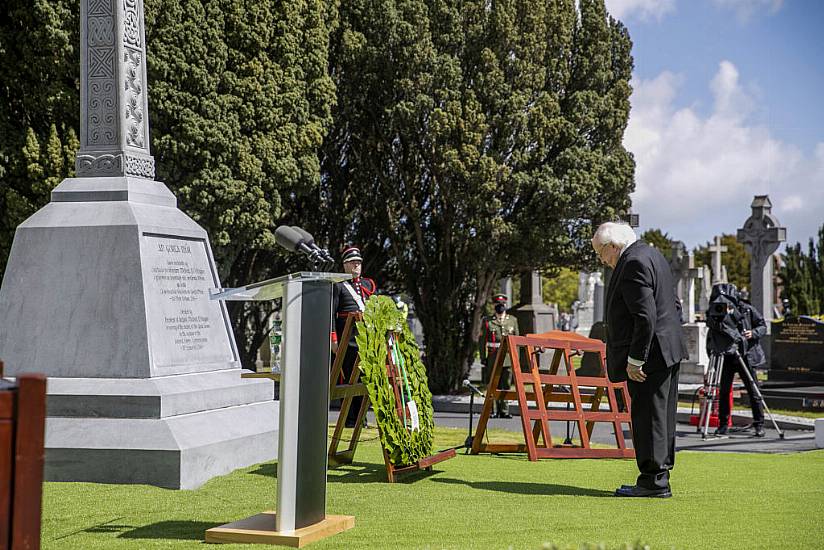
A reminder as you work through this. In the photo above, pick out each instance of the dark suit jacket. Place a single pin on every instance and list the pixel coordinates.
(643, 313)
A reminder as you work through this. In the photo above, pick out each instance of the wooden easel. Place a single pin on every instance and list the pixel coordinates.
(347, 391)
(535, 390)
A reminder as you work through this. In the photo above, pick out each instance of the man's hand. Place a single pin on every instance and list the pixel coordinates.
(747, 334)
(636, 374)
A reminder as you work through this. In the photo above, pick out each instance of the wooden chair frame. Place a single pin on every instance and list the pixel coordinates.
(536, 427)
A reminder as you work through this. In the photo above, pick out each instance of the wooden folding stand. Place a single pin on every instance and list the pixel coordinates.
(346, 390)
(353, 387)
(535, 390)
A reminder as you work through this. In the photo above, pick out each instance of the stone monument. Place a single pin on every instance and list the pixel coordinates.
(585, 312)
(719, 274)
(684, 273)
(534, 316)
(761, 235)
(706, 290)
(107, 292)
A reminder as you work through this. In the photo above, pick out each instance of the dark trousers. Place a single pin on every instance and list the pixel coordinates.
(504, 383)
(654, 406)
(731, 366)
(346, 369)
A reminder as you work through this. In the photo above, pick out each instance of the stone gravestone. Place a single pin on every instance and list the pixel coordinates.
(706, 290)
(107, 292)
(534, 316)
(798, 350)
(585, 312)
(761, 235)
(693, 368)
(684, 273)
(718, 273)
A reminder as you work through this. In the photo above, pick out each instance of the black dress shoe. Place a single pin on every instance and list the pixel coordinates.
(759, 431)
(504, 415)
(722, 430)
(636, 491)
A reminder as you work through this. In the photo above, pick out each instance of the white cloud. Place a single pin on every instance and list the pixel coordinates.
(644, 9)
(745, 9)
(697, 174)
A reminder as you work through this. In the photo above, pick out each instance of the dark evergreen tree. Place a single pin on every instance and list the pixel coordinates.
(239, 100)
(39, 106)
(802, 277)
(472, 140)
(660, 240)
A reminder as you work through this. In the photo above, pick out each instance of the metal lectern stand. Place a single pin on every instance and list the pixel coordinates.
(304, 403)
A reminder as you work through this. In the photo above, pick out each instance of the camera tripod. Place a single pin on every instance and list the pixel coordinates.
(713, 384)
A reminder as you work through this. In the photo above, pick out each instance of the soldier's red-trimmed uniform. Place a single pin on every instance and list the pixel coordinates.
(350, 297)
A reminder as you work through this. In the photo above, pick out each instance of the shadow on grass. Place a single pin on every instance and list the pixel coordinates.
(521, 488)
(177, 530)
(269, 470)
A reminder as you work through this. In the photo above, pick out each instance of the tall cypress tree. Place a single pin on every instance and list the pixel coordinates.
(472, 140)
(39, 106)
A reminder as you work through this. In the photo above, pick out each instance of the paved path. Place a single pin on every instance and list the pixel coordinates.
(687, 437)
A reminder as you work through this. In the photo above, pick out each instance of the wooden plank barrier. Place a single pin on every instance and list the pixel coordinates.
(536, 390)
(22, 433)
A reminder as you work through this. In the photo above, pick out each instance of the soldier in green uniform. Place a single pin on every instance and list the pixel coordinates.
(495, 329)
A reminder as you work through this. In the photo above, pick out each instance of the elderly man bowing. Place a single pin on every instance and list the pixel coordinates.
(645, 346)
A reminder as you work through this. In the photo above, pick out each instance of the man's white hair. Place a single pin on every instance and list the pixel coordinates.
(619, 234)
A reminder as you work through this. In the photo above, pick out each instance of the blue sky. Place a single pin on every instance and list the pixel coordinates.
(728, 103)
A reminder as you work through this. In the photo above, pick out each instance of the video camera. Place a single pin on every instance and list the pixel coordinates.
(725, 320)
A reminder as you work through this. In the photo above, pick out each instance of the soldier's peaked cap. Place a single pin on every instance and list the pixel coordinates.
(352, 254)
(499, 298)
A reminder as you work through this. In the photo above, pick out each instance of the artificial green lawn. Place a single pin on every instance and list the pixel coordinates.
(722, 500)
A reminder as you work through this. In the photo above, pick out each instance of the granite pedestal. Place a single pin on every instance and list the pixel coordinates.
(107, 292)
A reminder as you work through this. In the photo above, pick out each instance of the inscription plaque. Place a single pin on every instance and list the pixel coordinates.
(798, 350)
(184, 325)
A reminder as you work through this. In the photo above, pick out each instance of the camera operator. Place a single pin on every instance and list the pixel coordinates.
(736, 328)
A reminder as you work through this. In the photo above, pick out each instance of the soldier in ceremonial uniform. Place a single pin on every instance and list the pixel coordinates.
(495, 328)
(349, 297)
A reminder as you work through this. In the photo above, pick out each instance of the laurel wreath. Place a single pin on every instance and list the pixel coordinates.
(404, 447)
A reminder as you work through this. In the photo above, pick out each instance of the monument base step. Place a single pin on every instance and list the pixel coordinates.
(177, 452)
(156, 397)
(691, 373)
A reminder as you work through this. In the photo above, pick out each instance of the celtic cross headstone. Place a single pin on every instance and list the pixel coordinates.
(761, 235)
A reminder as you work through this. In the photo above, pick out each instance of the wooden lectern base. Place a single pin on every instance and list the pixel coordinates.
(260, 529)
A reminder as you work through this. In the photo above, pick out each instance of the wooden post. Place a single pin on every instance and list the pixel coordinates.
(22, 433)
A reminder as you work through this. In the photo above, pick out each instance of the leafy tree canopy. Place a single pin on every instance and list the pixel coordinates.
(473, 140)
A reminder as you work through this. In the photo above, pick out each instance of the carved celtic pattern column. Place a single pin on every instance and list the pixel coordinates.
(114, 123)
